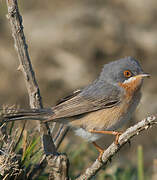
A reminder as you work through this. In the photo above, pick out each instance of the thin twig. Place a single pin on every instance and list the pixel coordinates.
(113, 148)
(20, 136)
(62, 131)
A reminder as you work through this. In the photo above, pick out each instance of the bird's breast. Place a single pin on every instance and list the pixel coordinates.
(106, 119)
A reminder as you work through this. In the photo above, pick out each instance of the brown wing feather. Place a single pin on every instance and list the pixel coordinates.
(73, 94)
(73, 107)
(78, 104)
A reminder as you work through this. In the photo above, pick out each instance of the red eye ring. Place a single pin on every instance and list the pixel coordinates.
(127, 73)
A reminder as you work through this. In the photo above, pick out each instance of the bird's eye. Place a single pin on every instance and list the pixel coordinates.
(127, 73)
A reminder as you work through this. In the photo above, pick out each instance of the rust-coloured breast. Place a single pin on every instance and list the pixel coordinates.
(112, 118)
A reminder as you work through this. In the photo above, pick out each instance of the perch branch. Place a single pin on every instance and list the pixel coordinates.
(113, 149)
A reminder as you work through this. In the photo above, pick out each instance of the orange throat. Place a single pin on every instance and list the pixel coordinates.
(132, 85)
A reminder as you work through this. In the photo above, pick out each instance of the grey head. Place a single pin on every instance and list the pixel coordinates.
(120, 70)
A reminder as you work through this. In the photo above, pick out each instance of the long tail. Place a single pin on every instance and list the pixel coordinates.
(31, 114)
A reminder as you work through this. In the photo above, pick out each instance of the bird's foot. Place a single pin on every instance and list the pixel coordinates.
(101, 151)
(100, 155)
(117, 134)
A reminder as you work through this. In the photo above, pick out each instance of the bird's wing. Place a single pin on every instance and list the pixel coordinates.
(70, 96)
(94, 97)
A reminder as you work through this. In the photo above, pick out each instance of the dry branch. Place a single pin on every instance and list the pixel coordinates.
(62, 131)
(25, 66)
(113, 149)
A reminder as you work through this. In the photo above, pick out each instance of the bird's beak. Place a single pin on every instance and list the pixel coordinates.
(142, 75)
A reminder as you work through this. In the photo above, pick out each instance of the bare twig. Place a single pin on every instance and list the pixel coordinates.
(60, 165)
(61, 133)
(113, 149)
(26, 67)
(31, 83)
(20, 136)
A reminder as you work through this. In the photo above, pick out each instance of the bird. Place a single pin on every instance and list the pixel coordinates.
(101, 107)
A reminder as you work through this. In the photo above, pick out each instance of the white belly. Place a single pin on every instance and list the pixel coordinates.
(87, 135)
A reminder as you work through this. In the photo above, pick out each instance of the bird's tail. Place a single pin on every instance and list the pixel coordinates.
(21, 114)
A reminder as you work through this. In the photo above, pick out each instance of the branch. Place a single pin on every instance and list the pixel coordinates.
(25, 66)
(113, 149)
(62, 131)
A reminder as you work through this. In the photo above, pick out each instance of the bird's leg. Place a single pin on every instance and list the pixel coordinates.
(99, 149)
(115, 133)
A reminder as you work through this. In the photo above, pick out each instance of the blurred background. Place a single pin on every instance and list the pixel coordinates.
(69, 42)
